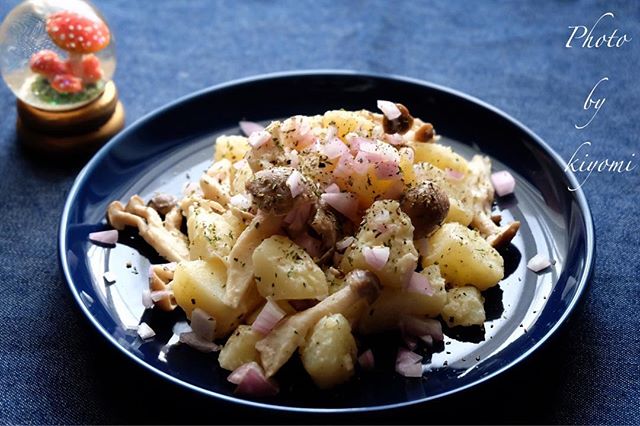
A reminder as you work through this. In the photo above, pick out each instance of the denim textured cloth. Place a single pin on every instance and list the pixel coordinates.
(54, 368)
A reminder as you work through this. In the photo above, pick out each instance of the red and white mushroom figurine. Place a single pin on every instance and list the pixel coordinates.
(47, 63)
(80, 37)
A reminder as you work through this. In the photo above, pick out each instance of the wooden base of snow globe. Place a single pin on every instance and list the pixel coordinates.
(77, 131)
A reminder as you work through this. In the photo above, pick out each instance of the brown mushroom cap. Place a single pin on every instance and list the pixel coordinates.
(271, 193)
(401, 124)
(427, 205)
(77, 34)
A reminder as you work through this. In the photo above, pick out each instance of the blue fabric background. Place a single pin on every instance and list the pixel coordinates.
(54, 368)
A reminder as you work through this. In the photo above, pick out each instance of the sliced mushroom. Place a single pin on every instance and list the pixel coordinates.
(479, 184)
(160, 276)
(401, 124)
(196, 201)
(240, 270)
(216, 182)
(167, 240)
(277, 347)
(326, 226)
(495, 235)
(482, 193)
(427, 205)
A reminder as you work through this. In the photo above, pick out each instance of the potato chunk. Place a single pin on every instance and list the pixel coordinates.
(464, 257)
(385, 225)
(458, 212)
(384, 314)
(330, 351)
(349, 121)
(200, 284)
(210, 234)
(231, 148)
(240, 348)
(284, 270)
(465, 307)
(440, 156)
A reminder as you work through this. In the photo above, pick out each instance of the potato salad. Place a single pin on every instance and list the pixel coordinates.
(304, 236)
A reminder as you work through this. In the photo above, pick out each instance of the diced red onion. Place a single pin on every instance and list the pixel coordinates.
(238, 165)
(145, 332)
(331, 133)
(104, 237)
(419, 283)
(367, 145)
(259, 138)
(198, 343)
(251, 381)
(335, 148)
(268, 317)
(419, 327)
(203, 324)
(408, 364)
(306, 139)
(394, 139)
(147, 302)
(344, 202)
(538, 262)
(375, 157)
(345, 166)
(503, 182)
(240, 201)
(360, 163)
(355, 141)
(389, 109)
(309, 244)
(422, 245)
(332, 189)
(249, 127)
(160, 294)
(366, 360)
(386, 170)
(337, 258)
(344, 243)
(376, 256)
(454, 175)
(295, 183)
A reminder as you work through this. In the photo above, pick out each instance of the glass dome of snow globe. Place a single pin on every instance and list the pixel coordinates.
(56, 54)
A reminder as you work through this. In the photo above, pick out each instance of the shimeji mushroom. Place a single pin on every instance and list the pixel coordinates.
(80, 37)
(277, 347)
(165, 236)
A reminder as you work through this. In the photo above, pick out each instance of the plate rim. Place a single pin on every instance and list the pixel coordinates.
(590, 238)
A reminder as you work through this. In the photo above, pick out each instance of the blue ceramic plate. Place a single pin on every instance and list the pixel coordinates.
(174, 144)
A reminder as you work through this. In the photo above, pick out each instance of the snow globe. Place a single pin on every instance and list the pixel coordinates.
(58, 57)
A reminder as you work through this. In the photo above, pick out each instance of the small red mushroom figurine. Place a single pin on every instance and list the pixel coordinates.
(80, 37)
